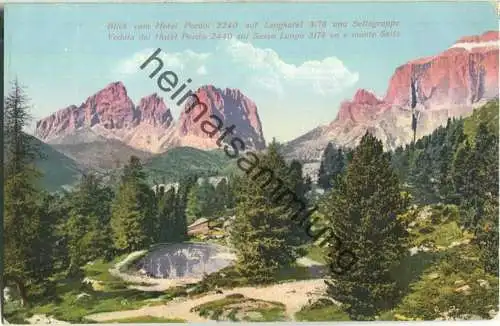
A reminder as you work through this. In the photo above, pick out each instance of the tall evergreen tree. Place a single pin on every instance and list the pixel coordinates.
(263, 231)
(223, 197)
(324, 173)
(485, 174)
(193, 205)
(363, 213)
(21, 213)
(49, 254)
(296, 179)
(88, 226)
(167, 211)
(332, 165)
(460, 171)
(134, 221)
(181, 222)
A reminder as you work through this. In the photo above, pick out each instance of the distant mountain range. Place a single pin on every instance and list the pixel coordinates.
(106, 129)
(449, 84)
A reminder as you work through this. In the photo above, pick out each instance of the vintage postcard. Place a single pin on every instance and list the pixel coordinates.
(246, 162)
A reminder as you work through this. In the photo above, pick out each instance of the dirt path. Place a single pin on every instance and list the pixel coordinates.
(293, 294)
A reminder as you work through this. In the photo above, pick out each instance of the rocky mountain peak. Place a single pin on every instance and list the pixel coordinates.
(149, 126)
(153, 110)
(363, 96)
(449, 84)
(232, 107)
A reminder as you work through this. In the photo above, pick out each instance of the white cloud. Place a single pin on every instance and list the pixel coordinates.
(177, 60)
(202, 70)
(242, 65)
(328, 75)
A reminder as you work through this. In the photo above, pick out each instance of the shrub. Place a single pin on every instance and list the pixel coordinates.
(322, 310)
(454, 288)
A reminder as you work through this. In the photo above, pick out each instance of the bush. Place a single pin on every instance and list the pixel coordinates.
(236, 306)
(454, 288)
(225, 278)
(322, 310)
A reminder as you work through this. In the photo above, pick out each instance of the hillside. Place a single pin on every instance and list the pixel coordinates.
(487, 114)
(58, 169)
(182, 161)
(429, 168)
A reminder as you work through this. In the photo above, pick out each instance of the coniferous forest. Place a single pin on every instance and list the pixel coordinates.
(421, 221)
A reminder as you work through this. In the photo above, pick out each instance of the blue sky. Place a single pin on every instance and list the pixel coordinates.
(62, 53)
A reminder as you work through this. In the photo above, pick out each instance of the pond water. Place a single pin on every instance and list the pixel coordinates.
(185, 260)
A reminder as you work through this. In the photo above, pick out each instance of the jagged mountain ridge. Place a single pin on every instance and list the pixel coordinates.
(449, 84)
(150, 127)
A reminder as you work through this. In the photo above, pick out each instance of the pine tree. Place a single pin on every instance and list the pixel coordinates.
(363, 211)
(263, 232)
(332, 165)
(445, 183)
(88, 226)
(324, 173)
(181, 223)
(193, 205)
(128, 220)
(207, 198)
(422, 177)
(134, 220)
(296, 179)
(166, 209)
(487, 236)
(223, 200)
(338, 166)
(202, 201)
(21, 213)
(460, 171)
(485, 173)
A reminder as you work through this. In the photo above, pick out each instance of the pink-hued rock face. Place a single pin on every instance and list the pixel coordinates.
(460, 76)
(449, 84)
(455, 77)
(231, 107)
(110, 113)
(364, 106)
(486, 37)
(153, 111)
(111, 107)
